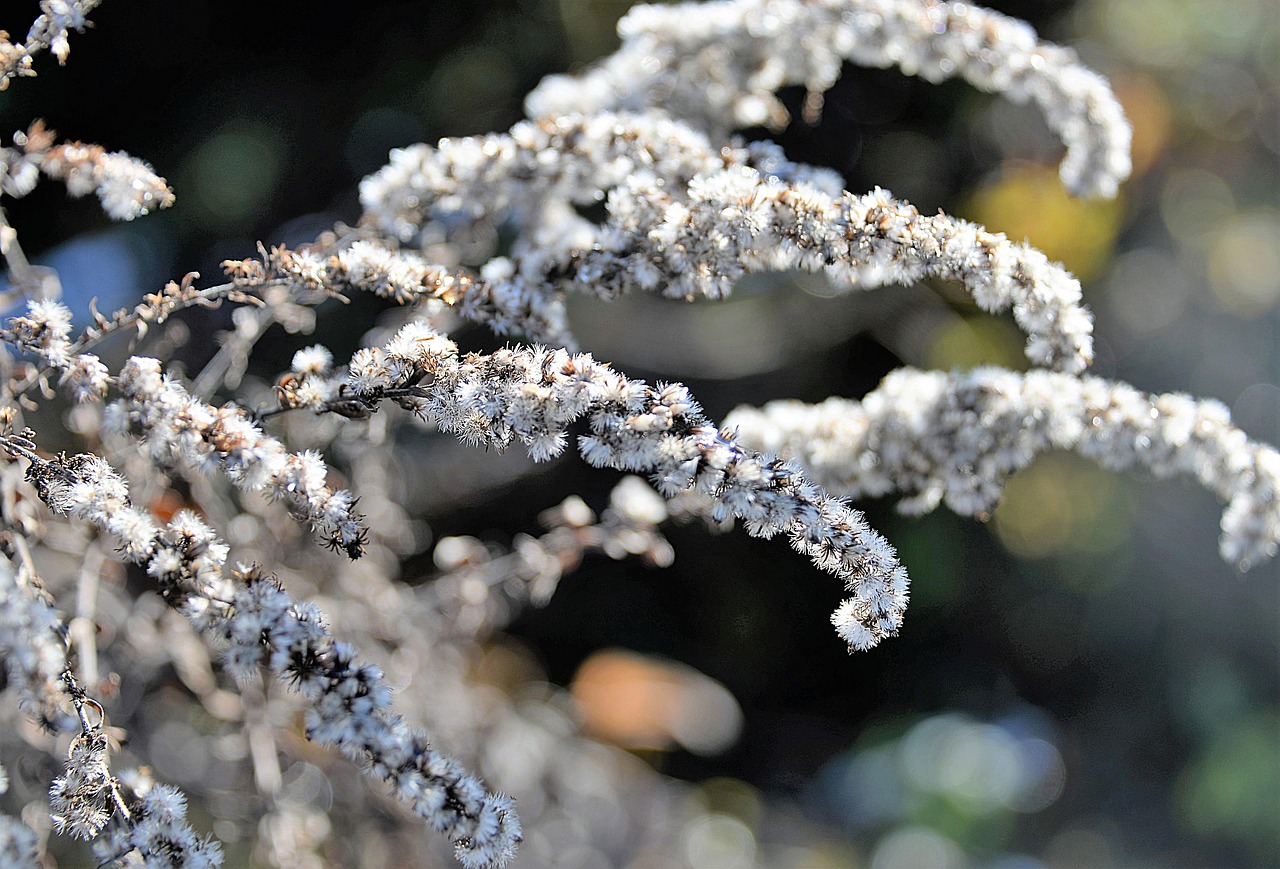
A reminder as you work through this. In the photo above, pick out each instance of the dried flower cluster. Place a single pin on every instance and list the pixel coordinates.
(127, 187)
(956, 438)
(88, 802)
(180, 430)
(742, 52)
(178, 483)
(48, 31)
(263, 626)
(689, 221)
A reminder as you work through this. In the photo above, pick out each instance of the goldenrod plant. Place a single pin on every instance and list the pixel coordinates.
(162, 529)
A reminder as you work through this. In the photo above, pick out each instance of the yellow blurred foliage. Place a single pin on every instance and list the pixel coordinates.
(1147, 107)
(1244, 262)
(968, 342)
(1027, 203)
(1061, 504)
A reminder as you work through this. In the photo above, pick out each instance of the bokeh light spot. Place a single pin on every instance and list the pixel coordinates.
(1147, 107)
(641, 702)
(1193, 202)
(1028, 202)
(1148, 290)
(917, 848)
(231, 176)
(1244, 262)
(717, 841)
(968, 342)
(1062, 503)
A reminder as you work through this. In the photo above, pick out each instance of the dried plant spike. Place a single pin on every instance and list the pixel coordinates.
(181, 430)
(688, 227)
(48, 31)
(264, 627)
(533, 394)
(126, 187)
(736, 222)
(957, 438)
(573, 157)
(86, 801)
(82, 797)
(717, 66)
(157, 831)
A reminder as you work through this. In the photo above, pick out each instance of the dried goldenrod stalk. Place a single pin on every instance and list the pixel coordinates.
(717, 65)
(957, 438)
(126, 186)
